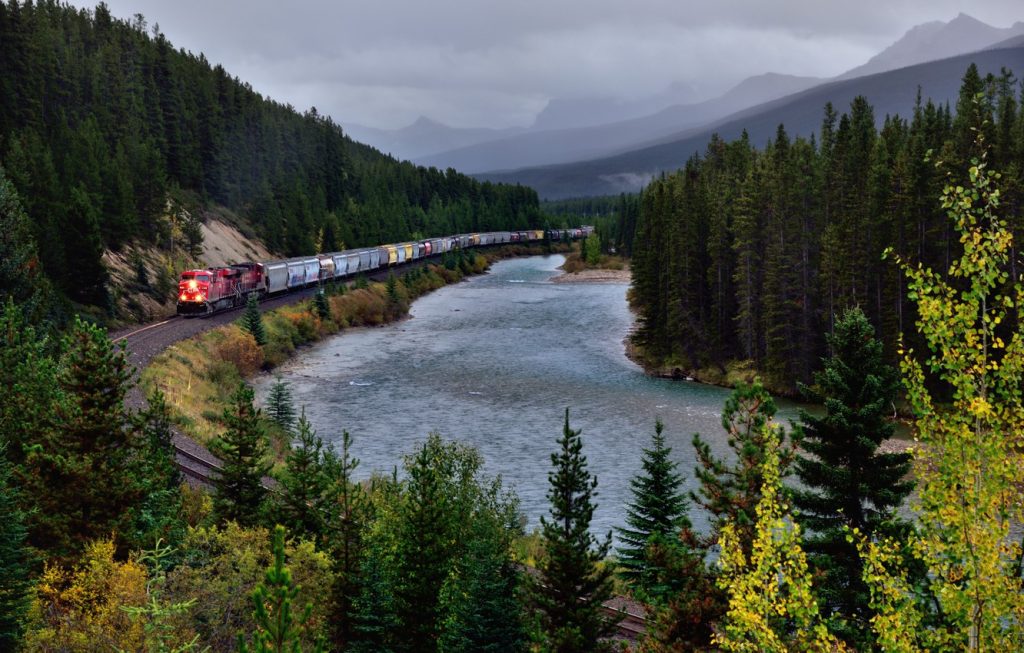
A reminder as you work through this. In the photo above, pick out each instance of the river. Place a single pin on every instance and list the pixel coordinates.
(494, 362)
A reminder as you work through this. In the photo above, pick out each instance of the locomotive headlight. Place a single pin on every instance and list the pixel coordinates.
(192, 285)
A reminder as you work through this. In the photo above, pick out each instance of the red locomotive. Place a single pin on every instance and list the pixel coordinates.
(213, 289)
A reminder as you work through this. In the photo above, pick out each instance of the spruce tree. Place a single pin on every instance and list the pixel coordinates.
(846, 482)
(279, 404)
(658, 510)
(252, 320)
(242, 449)
(14, 560)
(573, 585)
(159, 513)
(730, 492)
(323, 309)
(82, 466)
(349, 512)
(278, 628)
(300, 501)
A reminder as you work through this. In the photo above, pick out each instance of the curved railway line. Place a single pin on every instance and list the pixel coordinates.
(199, 466)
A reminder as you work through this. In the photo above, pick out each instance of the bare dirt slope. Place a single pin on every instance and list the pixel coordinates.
(225, 245)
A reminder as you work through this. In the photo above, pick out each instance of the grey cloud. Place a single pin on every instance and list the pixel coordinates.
(486, 63)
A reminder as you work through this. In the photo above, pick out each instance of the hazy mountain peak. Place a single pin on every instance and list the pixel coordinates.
(936, 40)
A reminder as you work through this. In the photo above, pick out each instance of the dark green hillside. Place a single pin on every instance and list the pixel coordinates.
(890, 93)
(102, 119)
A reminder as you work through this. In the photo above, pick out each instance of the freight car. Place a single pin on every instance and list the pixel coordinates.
(205, 291)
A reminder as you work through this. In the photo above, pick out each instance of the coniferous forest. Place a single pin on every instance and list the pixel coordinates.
(101, 118)
(750, 254)
(807, 257)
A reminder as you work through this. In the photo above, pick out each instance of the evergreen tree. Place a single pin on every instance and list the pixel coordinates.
(348, 514)
(658, 510)
(573, 585)
(480, 598)
(252, 320)
(300, 501)
(15, 560)
(21, 276)
(240, 494)
(845, 481)
(278, 628)
(279, 404)
(159, 514)
(731, 492)
(80, 470)
(323, 309)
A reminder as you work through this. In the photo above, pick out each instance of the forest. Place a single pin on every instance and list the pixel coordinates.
(102, 121)
(750, 254)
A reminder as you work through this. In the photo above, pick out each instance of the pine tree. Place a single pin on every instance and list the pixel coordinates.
(845, 481)
(242, 449)
(81, 468)
(731, 492)
(349, 512)
(159, 514)
(21, 277)
(300, 501)
(279, 404)
(278, 628)
(572, 586)
(323, 309)
(658, 510)
(252, 320)
(15, 560)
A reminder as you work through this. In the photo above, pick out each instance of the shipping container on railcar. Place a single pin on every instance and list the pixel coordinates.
(326, 267)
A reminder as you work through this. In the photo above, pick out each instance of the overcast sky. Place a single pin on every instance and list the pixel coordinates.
(476, 63)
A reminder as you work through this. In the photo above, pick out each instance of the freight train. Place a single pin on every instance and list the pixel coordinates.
(206, 291)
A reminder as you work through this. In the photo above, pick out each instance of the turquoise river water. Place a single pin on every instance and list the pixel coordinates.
(493, 362)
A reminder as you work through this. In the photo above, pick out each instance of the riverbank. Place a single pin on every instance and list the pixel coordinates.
(199, 375)
(594, 276)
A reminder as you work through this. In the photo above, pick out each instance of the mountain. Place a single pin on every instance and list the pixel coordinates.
(890, 92)
(553, 146)
(936, 40)
(423, 137)
(569, 113)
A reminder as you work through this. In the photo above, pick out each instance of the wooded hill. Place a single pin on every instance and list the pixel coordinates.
(750, 254)
(102, 118)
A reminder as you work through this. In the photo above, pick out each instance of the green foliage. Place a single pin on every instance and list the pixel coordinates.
(300, 503)
(160, 633)
(80, 469)
(221, 567)
(572, 585)
(277, 629)
(654, 517)
(845, 481)
(15, 560)
(592, 249)
(159, 514)
(240, 494)
(252, 320)
(751, 254)
(279, 404)
(969, 465)
(21, 275)
(323, 309)
(731, 492)
(192, 231)
(436, 560)
(771, 606)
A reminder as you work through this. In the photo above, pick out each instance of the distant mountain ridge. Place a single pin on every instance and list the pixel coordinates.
(936, 40)
(546, 147)
(423, 137)
(889, 93)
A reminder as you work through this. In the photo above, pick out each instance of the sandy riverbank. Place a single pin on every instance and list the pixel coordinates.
(594, 276)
